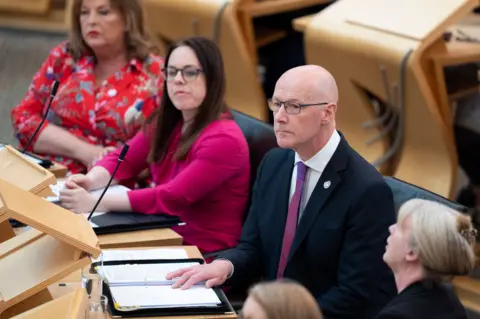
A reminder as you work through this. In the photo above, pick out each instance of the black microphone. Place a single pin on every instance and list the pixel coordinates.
(52, 95)
(120, 160)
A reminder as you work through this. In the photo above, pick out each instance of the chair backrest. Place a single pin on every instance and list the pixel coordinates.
(260, 138)
(403, 191)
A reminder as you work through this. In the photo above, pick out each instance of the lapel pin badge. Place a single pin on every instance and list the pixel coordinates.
(327, 184)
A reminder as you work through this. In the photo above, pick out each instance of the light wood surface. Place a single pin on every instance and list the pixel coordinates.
(258, 8)
(60, 171)
(248, 10)
(142, 238)
(27, 6)
(376, 15)
(70, 306)
(454, 53)
(73, 283)
(300, 24)
(20, 15)
(356, 53)
(48, 218)
(19, 171)
(59, 244)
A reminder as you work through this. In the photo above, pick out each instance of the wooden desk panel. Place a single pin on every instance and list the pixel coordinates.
(141, 238)
(250, 9)
(452, 54)
(58, 170)
(261, 8)
(301, 24)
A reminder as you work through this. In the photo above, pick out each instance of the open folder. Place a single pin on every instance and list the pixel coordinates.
(139, 288)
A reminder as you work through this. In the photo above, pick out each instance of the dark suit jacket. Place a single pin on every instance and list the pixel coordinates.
(338, 247)
(425, 300)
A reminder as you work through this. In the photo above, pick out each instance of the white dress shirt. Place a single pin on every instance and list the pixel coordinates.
(315, 167)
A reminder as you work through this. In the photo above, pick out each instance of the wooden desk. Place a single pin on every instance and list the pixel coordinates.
(73, 281)
(58, 170)
(250, 9)
(300, 24)
(38, 15)
(453, 53)
(141, 238)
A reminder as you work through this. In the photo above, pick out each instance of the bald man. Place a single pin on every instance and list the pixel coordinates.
(320, 213)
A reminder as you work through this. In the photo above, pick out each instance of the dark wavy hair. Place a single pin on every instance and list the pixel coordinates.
(167, 116)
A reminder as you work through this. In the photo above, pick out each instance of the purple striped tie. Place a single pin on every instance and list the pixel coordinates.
(292, 218)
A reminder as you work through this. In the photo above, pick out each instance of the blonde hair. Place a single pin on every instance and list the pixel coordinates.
(443, 238)
(285, 300)
(139, 43)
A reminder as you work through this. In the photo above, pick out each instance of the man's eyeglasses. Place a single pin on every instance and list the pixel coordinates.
(290, 107)
(188, 73)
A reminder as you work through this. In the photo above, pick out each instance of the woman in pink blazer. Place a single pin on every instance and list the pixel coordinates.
(197, 155)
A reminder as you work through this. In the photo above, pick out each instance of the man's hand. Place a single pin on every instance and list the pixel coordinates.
(213, 274)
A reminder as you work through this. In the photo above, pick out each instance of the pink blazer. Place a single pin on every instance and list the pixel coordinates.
(208, 191)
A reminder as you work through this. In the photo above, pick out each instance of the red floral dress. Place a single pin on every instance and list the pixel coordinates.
(108, 115)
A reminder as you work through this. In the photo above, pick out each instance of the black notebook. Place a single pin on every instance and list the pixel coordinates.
(139, 289)
(112, 222)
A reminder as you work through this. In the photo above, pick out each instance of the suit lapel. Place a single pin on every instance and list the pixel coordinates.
(326, 185)
(282, 195)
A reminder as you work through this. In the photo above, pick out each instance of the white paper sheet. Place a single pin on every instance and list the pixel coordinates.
(142, 254)
(141, 274)
(163, 296)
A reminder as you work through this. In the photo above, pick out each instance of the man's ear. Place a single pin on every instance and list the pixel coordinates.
(329, 114)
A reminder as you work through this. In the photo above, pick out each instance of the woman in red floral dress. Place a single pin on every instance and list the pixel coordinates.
(110, 81)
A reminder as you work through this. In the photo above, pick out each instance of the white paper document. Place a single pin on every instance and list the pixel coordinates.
(140, 274)
(163, 296)
(142, 254)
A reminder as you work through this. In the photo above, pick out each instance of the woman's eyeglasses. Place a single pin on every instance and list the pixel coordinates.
(188, 73)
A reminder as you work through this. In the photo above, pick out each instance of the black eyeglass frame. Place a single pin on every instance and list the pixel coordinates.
(293, 106)
(182, 72)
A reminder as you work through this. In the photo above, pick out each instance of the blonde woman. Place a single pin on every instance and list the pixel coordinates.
(280, 300)
(429, 244)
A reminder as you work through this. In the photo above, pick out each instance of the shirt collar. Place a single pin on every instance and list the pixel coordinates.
(320, 160)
